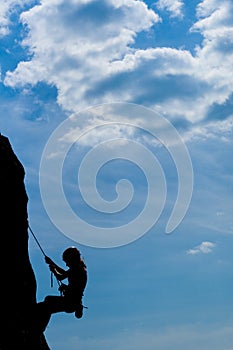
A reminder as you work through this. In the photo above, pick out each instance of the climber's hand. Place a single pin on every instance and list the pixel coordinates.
(49, 261)
(52, 268)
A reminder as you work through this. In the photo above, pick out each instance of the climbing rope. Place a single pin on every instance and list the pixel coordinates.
(42, 250)
(38, 243)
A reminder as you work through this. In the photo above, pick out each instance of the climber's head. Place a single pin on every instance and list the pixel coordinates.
(71, 255)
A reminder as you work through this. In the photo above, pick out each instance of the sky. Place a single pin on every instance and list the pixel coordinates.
(121, 112)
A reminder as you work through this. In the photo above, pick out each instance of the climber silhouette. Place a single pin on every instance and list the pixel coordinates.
(71, 294)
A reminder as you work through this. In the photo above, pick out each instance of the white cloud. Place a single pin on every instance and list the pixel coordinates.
(8, 7)
(204, 247)
(84, 48)
(216, 54)
(74, 46)
(208, 7)
(175, 7)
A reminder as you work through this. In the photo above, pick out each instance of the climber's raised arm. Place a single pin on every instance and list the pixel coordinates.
(59, 272)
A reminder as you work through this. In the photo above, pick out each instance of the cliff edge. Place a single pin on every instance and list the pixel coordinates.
(18, 285)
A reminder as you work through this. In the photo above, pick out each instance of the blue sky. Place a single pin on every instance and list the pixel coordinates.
(86, 59)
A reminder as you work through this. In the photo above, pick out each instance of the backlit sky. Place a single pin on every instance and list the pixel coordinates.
(61, 57)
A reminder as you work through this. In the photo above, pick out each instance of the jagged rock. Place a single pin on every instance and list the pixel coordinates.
(18, 283)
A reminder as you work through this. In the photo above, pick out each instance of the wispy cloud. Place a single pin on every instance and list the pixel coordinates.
(174, 7)
(204, 248)
(176, 337)
(220, 129)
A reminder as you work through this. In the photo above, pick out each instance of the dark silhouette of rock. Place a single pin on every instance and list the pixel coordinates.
(18, 283)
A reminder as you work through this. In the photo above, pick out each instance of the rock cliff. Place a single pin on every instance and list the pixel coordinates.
(18, 283)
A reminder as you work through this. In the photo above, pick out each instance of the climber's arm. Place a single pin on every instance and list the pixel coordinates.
(59, 272)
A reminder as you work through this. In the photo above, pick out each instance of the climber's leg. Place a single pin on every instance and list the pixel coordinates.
(46, 308)
(54, 303)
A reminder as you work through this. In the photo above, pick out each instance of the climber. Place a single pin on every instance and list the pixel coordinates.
(70, 299)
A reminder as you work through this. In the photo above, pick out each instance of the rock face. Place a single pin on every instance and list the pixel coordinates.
(18, 283)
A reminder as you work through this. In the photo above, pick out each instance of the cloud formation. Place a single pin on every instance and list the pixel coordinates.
(7, 8)
(87, 51)
(174, 7)
(204, 248)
